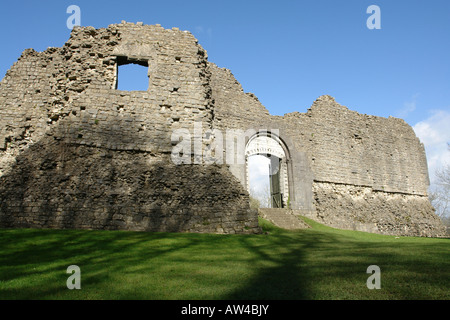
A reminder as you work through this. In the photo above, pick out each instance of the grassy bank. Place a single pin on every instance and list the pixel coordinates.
(318, 263)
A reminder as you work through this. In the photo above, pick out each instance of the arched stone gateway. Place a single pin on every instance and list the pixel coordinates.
(291, 177)
(270, 146)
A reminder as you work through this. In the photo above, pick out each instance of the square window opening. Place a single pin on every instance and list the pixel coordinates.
(132, 75)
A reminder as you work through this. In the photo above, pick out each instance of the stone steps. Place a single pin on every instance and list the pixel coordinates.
(283, 218)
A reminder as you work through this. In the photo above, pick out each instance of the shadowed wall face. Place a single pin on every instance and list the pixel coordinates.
(56, 185)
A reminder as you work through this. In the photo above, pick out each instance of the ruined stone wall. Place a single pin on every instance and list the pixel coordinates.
(349, 170)
(370, 173)
(361, 208)
(77, 83)
(351, 148)
(76, 152)
(60, 185)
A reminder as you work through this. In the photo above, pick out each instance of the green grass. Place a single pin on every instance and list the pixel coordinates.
(318, 263)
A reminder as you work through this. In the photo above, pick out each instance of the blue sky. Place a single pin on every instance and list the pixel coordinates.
(288, 53)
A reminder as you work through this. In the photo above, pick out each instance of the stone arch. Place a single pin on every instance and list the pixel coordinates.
(270, 145)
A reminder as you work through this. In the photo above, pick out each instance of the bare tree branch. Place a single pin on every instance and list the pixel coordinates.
(440, 196)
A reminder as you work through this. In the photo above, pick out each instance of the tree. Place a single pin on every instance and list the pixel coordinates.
(254, 203)
(262, 196)
(440, 195)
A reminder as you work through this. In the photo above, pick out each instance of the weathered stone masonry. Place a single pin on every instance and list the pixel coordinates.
(77, 153)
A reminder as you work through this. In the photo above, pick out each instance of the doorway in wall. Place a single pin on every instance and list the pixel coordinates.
(266, 171)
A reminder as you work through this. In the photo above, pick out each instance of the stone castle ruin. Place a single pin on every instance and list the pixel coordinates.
(75, 152)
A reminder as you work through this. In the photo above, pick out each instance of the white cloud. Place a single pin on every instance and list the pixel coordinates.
(434, 133)
(408, 107)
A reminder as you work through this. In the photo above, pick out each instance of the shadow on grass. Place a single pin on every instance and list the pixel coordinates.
(307, 264)
(279, 264)
(33, 264)
(332, 264)
(35, 261)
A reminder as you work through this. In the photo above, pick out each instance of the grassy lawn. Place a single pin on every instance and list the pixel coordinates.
(318, 263)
